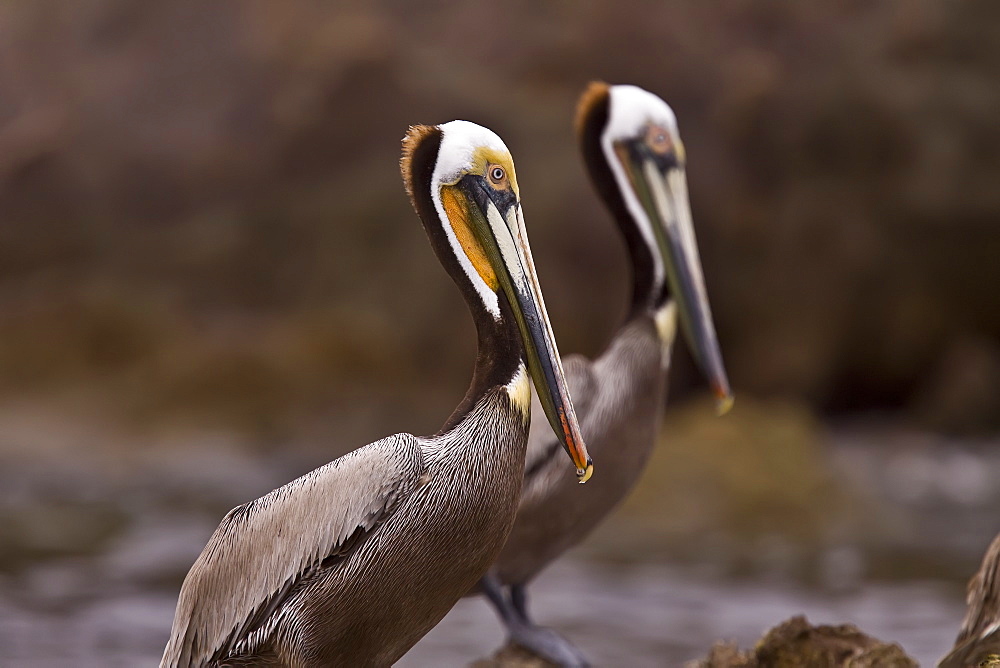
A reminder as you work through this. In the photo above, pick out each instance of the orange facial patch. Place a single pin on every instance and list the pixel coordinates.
(456, 208)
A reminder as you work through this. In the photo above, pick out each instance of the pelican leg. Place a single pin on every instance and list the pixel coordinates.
(511, 608)
(491, 587)
(519, 599)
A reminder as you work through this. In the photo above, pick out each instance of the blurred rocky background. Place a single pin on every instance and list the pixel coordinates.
(211, 279)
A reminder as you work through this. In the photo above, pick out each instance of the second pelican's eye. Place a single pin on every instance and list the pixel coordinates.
(658, 139)
(497, 174)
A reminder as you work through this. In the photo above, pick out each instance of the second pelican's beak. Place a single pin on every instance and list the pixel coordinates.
(498, 223)
(660, 183)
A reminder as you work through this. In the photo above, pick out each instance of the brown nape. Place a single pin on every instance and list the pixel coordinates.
(500, 346)
(409, 161)
(594, 97)
(420, 152)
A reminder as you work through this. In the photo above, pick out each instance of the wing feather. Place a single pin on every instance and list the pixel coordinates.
(261, 548)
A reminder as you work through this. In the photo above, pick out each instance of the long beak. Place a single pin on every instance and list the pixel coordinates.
(506, 242)
(666, 201)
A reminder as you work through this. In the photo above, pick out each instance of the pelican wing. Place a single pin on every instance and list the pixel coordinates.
(543, 446)
(262, 548)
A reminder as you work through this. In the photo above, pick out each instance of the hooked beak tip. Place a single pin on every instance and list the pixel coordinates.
(584, 474)
(723, 401)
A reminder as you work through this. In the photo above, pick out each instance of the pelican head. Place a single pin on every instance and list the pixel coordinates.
(461, 180)
(637, 161)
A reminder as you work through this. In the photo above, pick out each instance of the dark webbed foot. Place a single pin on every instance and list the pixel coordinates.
(547, 644)
(512, 608)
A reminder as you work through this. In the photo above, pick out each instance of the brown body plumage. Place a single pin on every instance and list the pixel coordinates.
(635, 159)
(352, 563)
(439, 513)
(620, 397)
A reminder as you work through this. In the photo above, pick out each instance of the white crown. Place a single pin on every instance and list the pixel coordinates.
(459, 141)
(631, 108)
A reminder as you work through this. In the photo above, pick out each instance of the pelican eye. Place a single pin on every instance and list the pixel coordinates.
(497, 174)
(658, 139)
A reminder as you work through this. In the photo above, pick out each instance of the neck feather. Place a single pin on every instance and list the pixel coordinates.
(501, 351)
(648, 293)
(499, 358)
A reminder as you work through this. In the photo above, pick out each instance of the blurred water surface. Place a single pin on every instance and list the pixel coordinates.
(94, 549)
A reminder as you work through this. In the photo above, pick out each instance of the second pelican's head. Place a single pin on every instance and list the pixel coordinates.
(637, 161)
(461, 180)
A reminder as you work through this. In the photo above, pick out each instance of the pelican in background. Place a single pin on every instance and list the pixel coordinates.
(352, 563)
(978, 641)
(636, 161)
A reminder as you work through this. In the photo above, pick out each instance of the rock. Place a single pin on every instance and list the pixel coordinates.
(792, 644)
(796, 643)
(978, 641)
(512, 656)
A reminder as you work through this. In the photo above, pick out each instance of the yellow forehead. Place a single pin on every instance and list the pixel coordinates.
(484, 156)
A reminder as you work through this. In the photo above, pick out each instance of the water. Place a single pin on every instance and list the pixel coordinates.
(94, 548)
(66, 615)
(660, 616)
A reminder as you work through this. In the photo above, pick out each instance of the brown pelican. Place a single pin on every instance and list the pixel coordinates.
(352, 563)
(978, 641)
(636, 161)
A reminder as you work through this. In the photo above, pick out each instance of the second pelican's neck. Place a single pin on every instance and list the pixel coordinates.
(646, 267)
(499, 362)
(656, 329)
(648, 291)
(648, 295)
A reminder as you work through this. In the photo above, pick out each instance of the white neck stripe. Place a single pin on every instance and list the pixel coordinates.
(639, 215)
(486, 294)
